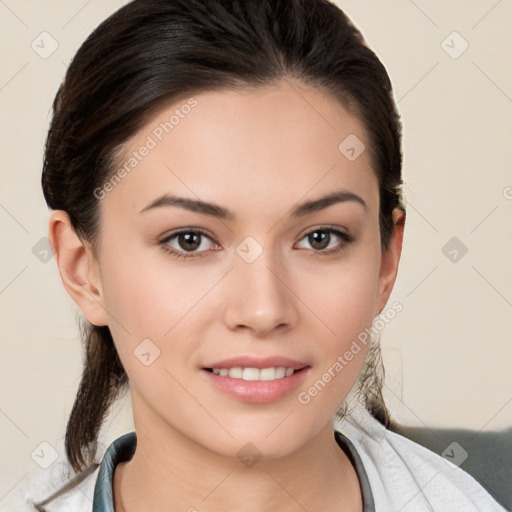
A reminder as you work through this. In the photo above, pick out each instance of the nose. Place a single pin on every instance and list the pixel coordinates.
(259, 298)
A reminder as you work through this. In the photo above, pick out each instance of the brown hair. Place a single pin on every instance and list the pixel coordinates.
(153, 52)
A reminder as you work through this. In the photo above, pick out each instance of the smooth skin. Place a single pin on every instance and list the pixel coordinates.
(258, 153)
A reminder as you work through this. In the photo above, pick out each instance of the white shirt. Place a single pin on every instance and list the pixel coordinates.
(400, 475)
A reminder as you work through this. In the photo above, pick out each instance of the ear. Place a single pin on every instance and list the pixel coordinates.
(78, 268)
(390, 259)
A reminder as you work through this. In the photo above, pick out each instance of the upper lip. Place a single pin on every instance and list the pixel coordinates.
(258, 362)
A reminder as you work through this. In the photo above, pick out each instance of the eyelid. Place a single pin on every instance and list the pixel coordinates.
(342, 233)
(190, 229)
(328, 227)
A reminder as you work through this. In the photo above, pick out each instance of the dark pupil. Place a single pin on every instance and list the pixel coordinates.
(189, 241)
(319, 237)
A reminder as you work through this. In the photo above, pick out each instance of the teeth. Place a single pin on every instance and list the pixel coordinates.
(254, 373)
(236, 373)
(280, 372)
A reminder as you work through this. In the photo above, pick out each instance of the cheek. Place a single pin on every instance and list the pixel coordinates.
(147, 293)
(344, 304)
(154, 301)
(343, 295)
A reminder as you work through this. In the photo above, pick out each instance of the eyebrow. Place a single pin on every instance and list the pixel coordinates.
(217, 211)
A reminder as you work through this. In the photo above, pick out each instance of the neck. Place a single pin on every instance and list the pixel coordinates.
(169, 471)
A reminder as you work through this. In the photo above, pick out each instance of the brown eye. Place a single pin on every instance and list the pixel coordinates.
(189, 241)
(186, 243)
(319, 239)
(323, 240)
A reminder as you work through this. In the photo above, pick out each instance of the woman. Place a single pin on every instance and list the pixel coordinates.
(225, 180)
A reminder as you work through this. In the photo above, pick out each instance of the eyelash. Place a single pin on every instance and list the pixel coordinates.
(346, 238)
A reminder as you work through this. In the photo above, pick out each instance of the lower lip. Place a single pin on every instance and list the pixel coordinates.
(258, 391)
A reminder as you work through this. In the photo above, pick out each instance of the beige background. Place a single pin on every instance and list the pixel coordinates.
(447, 353)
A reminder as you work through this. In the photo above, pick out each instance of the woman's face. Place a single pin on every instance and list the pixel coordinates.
(259, 270)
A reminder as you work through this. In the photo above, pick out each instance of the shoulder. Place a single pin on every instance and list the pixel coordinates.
(406, 476)
(60, 489)
(55, 489)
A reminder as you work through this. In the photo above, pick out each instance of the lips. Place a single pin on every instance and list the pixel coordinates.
(256, 379)
(257, 362)
(256, 391)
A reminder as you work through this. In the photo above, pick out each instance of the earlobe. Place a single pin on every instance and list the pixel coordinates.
(77, 267)
(390, 259)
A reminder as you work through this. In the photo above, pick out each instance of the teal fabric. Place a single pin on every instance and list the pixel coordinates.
(350, 450)
(123, 448)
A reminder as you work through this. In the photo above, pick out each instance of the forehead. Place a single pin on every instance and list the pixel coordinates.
(269, 144)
